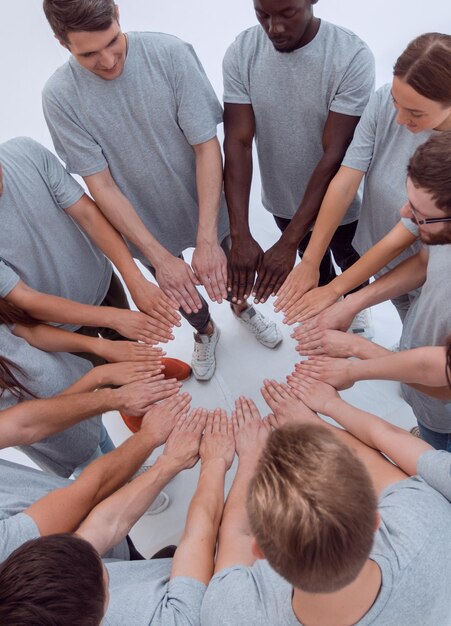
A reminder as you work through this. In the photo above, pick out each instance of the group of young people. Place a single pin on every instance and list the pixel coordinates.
(323, 524)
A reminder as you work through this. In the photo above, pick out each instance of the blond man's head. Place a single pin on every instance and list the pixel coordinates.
(312, 508)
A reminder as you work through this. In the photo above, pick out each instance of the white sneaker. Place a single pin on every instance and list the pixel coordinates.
(265, 331)
(362, 324)
(162, 500)
(203, 362)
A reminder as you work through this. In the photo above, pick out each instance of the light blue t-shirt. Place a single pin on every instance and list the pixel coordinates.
(411, 547)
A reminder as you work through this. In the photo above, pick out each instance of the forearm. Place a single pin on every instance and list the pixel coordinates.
(407, 276)
(112, 519)
(340, 193)
(422, 365)
(48, 308)
(32, 421)
(396, 443)
(209, 187)
(121, 214)
(195, 553)
(387, 249)
(237, 185)
(51, 339)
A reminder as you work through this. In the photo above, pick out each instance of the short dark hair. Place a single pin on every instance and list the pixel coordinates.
(312, 508)
(52, 581)
(66, 16)
(430, 169)
(425, 65)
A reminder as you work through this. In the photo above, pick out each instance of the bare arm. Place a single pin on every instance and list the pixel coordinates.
(387, 249)
(340, 193)
(235, 535)
(246, 254)
(48, 308)
(174, 276)
(209, 261)
(279, 259)
(149, 298)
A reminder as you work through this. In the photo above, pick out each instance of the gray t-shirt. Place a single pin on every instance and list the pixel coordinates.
(141, 594)
(291, 95)
(46, 374)
(39, 242)
(428, 323)
(142, 125)
(20, 487)
(411, 547)
(382, 148)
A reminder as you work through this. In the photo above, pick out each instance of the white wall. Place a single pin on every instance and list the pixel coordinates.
(29, 53)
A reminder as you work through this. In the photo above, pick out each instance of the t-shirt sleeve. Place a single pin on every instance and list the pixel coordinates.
(235, 89)
(410, 226)
(15, 531)
(434, 467)
(64, 188)
(357, 84)
(223, 603)
(8, 279)
(360, 153)
(73, 144)
(198, 109)
(182, 603)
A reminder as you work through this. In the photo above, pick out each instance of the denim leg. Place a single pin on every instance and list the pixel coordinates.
(440, 441)
(326, 268)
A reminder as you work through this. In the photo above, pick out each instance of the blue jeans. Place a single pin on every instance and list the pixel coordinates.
(440, 441)
(105, 445)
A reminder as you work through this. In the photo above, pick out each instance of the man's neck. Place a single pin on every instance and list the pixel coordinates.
(344, 607)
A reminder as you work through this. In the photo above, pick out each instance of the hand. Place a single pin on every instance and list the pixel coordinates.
(218, 441)
(334, 343)
(244, 260)
(151, 300)
(117, 351)
(335, 372)
(314, 394)
(135, 399)
(311, 303)
(277, 263)
(118, 374)
(159, 421)
(285, 405)
(133, 325)
(250, 431)
(209, 264)
(178, 281)
(339, 316)
(182, 446)
(301, 279)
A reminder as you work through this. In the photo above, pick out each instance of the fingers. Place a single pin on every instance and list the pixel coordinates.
(178, 404)
(266, 283)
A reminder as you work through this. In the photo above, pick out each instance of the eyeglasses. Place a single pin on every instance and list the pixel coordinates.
(428, 220)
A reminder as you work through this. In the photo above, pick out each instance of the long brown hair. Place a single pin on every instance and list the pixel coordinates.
(448, 360)
(9, 371)
(425, 65)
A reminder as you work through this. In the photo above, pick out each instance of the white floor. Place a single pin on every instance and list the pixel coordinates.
(242, 364)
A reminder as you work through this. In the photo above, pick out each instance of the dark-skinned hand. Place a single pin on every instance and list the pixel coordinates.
(244, 261)
(277, 263)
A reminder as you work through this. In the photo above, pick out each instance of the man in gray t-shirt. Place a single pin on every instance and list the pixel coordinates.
(335, 552)
(136, 116)
(298, 85)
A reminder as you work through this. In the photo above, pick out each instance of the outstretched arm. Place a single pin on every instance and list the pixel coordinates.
(209, 261)
(396, 443)
(64, 509)
(235, 536)
(278, 261)
(246, 254)
(194, 557)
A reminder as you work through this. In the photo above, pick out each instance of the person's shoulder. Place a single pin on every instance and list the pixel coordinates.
(58, 79)
(248, 41)
(25, 147)
(346, 35)
(161, 42)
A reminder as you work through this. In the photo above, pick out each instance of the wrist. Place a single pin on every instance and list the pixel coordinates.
(217, 464)
(335, 287)
(332, 406)
(172, 464)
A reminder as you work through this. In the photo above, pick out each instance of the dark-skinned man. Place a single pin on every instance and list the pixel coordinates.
(298, 85)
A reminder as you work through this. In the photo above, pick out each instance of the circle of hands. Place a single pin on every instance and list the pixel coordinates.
(307, 391)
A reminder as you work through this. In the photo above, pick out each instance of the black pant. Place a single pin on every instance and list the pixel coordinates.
(340, 246)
